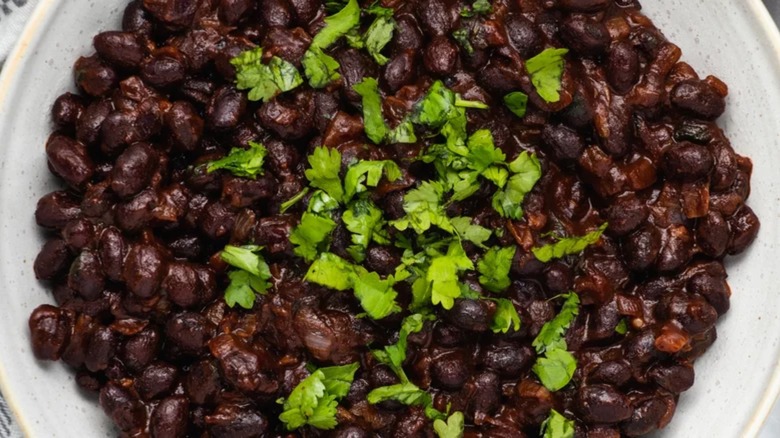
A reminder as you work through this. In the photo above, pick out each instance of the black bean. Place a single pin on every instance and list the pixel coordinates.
(56, 209)
(437, 17)
(523, 35)
(226, 108)
(166, 67)
(676, 378)
(144, 269)
(94, 77)
(693, 312)
(623, 66)
(229, 420)
(647, 416)
(625, 214)
(677, 249)
(170, 418)
(86, 275)
(133, 170)
(157, 380)
(50, 329)
(641, 248)
(202, 383)
(441, 55)
(400, 70)
(355, 66)
(188, 332)
(450, 370)
(136, 19)
(714, 289)
(66, 110)
(408, 35)
(91, 120)
(52, 260)
(122, 406)
(486, 396)
(69, 160)
(509, 361)
(585, 36)
(138, 351)
(136, 213)
(121, 49)
(276, 13)
(688, 161)
(616, 373)
(601, 403)
(499, 76)
(699, 99)
(472, 315)
(101, 350)
(744, 229)
(174, 13)
(289, 119)
(231, 11)
(565, 143)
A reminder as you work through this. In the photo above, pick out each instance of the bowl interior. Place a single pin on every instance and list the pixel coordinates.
(734, 381)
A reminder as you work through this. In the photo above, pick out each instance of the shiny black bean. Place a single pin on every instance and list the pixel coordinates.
(688, 161)
(641, 248)
(69, 160)
(698, 99)
(523, 35)
(133, 170)
(440, 56)
(676, 378)
(623, 66)
(226, 108)
(121, 49)
(164, 68)
(616, 373)
(229, 420)
(173, 13)
(86, 275)
(50, 329)
(600, 403)
(66, 110)
(188, 332)
(202, 383)
(290, 119)
(450, 370)
(144, 269)
(136, 213)
(52, 260)
(585, 36)
(102, 347)
(94, 77)
(436, 16)
(625, 214)
(91, 120)
(744, 225)
(472, 315)
(400, 70)
(714, 289)
(136, 19)
(138, 351)
(157, 380)
(408, 35)
(509, 361)
(170, 418)
(122, 407)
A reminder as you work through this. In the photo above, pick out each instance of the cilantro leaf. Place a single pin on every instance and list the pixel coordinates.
(337, 25)
(366, 223)
(319, 67)
(321, 202)
(368, 173)
(324, 172)
(568, 246)
(376, 296)
(250, 278)
(555, 369)
(310, 237)
(246, 163)
(403, 133)
(462, 36)
(526, 171)
(373, 120)
(434, 108)
(557, 426)
(394, 355)
(482, 152)
(314, 400)
(443, 275)
(379, 33)
(423, 209)
(622, 327)
(286, 205)
(407, 393)
(331, 271)
(480, 7)
(494, 268)
(551, 334)
(517, 102)
(264, 81)
(452, 428)
(475, 234)
(506, 317)
(546, 70)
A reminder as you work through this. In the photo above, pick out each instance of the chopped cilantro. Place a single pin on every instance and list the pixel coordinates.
(480, 7)
(423, 207)
(337, 25)
(366, 173)
(379, 33)
(403, 133)
(475, 234)
(407, 393)
(394, 355)
(556, 368)
(311, 236)
(286, 205)
(568, 246)
(264, 81)
(494, 268)
(324, 172)
(452, 428)
(443, 273)
(376, 296)
(314, 401)
(373, 120)
(546, 70)
(557, 426)
(246, 163)
(462, 36)
(321, 202)
(517, 102)
(319, 67)
(366, 223)
(506, 317)
(526, 171)
(251, 277)
(622, 327)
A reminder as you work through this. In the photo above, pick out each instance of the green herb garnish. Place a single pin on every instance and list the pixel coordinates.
(314, 401)
(568, 245)
(246, 163)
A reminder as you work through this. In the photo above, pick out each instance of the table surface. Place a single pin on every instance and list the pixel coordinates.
(772, 427)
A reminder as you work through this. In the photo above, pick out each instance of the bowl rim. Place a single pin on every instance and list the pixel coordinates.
(42, 14)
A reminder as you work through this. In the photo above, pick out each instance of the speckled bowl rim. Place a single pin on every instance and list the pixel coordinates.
(43, 14)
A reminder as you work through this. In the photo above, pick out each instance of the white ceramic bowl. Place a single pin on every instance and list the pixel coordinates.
(737, 380)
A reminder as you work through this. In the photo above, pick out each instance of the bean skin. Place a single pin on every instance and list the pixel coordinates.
(133, 170)
(144, 269)
(52, 260)
(170, 418)
(69, 160)
(744, 229)
(699, 99)
(50, 329)
(185, 126)
(122, 407)
(86, 275)
(119, 48)
(623, 66)
(66, 110)
(94, 77)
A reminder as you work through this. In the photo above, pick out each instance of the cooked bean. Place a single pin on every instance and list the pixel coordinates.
(603, 404)
(156, 381)
(229, 420)
(440, 56)
(226, 108)
(290, 120)
(188, 332)
(744, 227)
(450, 370)
(699, 99)
(164, 68)
(133, 170)
(136, 19)
(86, 275)
(584, 5)
(144, 269)
(122, 407)
(67, 110)
(69, 160)
(170, 418)
(94, 77)
(119, 48)
(400, 70)
(52, 260)
(623, 62)
(587, 37)
(101, 349)
(50, 329)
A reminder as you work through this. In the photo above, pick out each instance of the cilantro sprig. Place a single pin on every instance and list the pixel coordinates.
(314, 401)
(249, 279)
(319, 67)
(494, 268)
(264, 81)
(546, 70)
(242, 162)
(557, 426)
(556, 368)
(568, 245)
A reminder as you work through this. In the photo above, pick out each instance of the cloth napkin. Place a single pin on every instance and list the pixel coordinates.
(13, 16)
